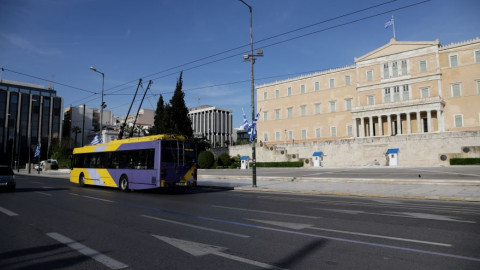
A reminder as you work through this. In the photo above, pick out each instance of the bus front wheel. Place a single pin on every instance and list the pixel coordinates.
(124, 183)
(81, 180)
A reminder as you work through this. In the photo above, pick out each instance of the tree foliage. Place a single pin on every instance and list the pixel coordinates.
(224, 160)
(206, 160)
(172, 118)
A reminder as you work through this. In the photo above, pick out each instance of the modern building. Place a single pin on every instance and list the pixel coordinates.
(403, 87)
(212, 123)
(30, 115)
(86, 121)
(145, 118)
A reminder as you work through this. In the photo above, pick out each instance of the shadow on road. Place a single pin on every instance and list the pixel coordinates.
(292, 261)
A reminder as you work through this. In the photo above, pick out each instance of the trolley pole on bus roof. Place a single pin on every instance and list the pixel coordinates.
(251, 57)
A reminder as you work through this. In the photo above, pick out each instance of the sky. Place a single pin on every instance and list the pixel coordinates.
(55, 42)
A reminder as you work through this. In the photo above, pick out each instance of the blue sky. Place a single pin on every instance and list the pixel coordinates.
(128, 40)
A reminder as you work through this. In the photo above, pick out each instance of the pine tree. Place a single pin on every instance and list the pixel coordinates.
(178, 112)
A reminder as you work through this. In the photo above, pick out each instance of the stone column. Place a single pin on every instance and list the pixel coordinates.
(354, 127)
(370, 125)
(362, 127)
(429, 121)
(409, 126)
(399, 124)
(419, 127)
(380, 126)
(389, 122)
(441, 126)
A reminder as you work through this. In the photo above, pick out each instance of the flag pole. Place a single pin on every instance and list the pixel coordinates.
(393, 24)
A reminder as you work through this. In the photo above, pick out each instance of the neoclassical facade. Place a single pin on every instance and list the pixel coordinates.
(401, 88)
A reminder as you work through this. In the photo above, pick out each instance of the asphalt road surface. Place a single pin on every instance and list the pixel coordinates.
(50, 223)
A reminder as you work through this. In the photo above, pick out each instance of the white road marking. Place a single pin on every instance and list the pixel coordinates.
(103, 259)
(196, 227)
(43, 193)
(299, 226)
(8, 212)
(199, 249)
(94, 198)
(264, 212)
(454, 173)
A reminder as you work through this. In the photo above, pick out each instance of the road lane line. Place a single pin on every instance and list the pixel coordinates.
(8, 212)
(94, 198)
(264, 212)
(97, 256)
(43, 193)
(196, 227)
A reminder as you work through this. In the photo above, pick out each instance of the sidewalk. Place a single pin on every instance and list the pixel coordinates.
(453, 190)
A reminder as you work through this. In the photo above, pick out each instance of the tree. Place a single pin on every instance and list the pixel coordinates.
(206, 160)
(178, 112)
(159, 119)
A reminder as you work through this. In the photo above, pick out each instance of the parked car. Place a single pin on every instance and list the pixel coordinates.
(49, 164)
(7, 178)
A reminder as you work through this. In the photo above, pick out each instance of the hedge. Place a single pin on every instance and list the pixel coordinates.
(465, 161)
(279, 164)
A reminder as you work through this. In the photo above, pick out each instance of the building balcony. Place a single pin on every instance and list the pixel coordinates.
(415, 103)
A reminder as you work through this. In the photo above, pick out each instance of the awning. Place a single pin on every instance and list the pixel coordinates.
(244, 158)
(392, 151)
(317, 154)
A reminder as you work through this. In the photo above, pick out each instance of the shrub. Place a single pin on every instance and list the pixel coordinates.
(206, 160)
(465, 161)
(280, 164)
(224, 160)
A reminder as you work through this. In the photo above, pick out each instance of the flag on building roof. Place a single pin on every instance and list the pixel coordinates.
(389, 23)
(37, 151)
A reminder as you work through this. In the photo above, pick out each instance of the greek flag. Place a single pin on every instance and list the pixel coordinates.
(253, 128)
(96, 140)
(37, 151)
(246, 125)
(389, 23)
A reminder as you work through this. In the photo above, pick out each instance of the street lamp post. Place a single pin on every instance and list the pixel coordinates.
(251, 57)
(102, 105)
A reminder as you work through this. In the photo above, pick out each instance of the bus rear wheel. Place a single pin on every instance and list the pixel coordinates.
(124, 183)
(81, 180)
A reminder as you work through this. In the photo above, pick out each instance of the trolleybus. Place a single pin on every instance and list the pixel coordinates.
(136, 163)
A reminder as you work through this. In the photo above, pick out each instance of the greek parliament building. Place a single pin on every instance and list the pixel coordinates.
(212, 123)
(29, 115)
(419, 97)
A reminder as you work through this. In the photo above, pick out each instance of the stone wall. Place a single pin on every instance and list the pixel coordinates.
(414, 150)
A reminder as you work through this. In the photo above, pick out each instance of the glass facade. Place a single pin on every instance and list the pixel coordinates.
(29, 115)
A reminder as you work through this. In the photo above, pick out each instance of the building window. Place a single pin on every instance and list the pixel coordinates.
(277, 93)
(317, 86)
(453, 60)
(304, 134)
(349, 130)
(394, 69)
(406, 92)
(302, 89)
(458, 120)
(387, 94)
(371, 100)
(477, 56)
(396, 93)
(265, 116)
(333, 131)
(369, 75)
(348, 104)
(265, 137)
(456, 90)
(333, 106)
(347, 80)
(277, 136)
(277, 114)
(317, 108)
(425, 92)
(303, 110)
(289, 91)
(478, 87)
(404, 67)
(423, 66)
(386, 71)
(290, 135)
(317, 133)
(290, 112)
(265, 95)
(332, 83)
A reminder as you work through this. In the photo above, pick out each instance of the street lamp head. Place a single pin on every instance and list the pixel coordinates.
(245, 57)
(260, 52)
(93, 68)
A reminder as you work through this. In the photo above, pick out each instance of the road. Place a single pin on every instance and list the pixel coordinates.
(49, 223)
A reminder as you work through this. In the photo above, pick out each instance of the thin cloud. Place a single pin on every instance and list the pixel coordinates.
(25, 44)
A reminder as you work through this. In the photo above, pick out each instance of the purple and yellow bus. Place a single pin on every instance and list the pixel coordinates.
(136, 163)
